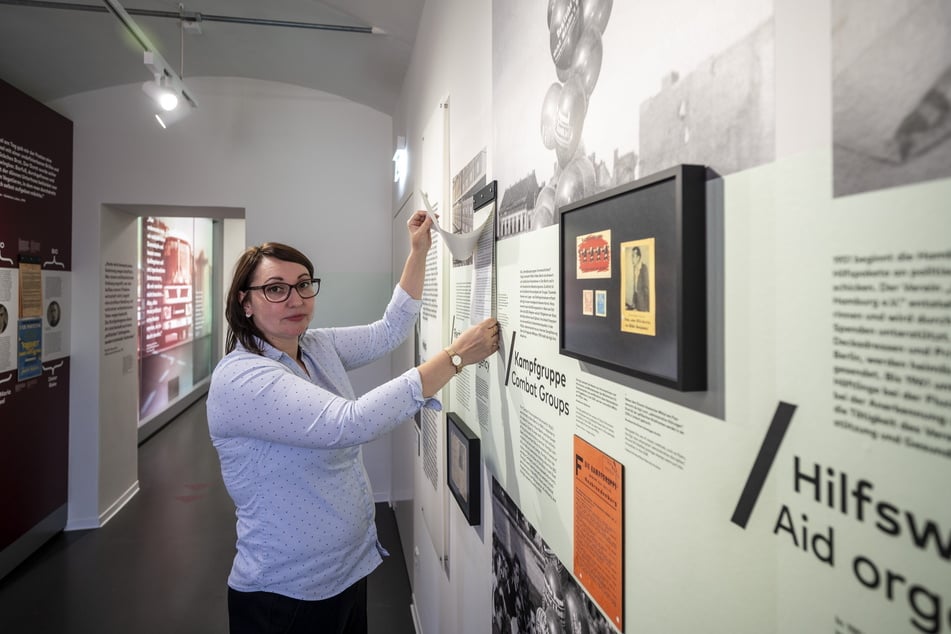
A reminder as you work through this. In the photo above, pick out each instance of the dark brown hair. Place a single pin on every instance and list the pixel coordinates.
(241, 328)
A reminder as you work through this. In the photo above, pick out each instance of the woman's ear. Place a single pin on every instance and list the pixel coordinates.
(245, 303)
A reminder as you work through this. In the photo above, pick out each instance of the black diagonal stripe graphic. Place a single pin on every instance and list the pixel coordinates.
(508, 366)
(764, 460)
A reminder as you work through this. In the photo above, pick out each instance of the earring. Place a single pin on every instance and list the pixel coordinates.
(248, 315)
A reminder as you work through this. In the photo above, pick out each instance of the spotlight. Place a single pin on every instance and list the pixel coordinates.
(168, 87)
(163, 95)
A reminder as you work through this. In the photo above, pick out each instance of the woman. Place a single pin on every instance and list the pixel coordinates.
(288, 430)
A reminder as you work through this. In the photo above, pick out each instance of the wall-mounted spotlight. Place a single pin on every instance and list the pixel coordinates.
(399, 159)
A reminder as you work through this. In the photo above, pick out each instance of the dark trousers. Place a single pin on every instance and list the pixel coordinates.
(269, 613)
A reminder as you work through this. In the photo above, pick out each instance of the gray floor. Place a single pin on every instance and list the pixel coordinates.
(160, 565)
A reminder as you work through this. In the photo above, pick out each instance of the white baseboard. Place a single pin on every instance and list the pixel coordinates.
(83, 524)
(116, 506)
(412, 610)
(88, 523)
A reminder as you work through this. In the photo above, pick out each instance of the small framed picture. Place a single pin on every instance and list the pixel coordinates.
(601, 303)
(462, 468)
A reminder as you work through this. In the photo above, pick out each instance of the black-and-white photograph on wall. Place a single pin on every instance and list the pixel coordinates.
(891, 93)
(465, 184)
(532, 590)
(605, 114)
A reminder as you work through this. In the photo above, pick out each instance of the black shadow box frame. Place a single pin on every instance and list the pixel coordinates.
(463, 459)
(661, 335)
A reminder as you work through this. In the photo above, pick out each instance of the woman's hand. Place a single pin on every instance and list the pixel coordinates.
(474, 345)
(419, 227)
(477, 342)
(420, 240)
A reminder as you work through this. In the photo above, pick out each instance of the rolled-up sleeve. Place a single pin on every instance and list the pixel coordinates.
(417, 384)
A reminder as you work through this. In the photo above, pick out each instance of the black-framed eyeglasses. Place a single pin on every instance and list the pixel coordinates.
(277, 292)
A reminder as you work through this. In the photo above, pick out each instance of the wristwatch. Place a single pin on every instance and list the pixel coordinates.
(455, 359)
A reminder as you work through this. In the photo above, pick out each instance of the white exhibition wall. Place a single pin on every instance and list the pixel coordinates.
(308, 168)
(827, 312)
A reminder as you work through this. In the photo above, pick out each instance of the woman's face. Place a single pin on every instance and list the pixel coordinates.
(283, 322)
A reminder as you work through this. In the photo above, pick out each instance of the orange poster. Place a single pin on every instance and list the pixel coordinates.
(599, 528)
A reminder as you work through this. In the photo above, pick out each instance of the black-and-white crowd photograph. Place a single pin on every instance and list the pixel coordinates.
(533, 592)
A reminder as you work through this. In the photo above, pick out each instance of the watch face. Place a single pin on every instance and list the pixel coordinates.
(456, 360)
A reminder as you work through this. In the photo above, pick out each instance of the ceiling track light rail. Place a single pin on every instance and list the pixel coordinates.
(167, 89)
(197, 18)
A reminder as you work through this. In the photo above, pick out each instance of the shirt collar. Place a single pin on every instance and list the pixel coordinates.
(267, 350)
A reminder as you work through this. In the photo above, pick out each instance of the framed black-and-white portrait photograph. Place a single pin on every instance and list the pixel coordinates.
(462, 468)
(653, 322)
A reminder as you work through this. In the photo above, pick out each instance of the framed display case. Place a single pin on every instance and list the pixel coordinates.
(462, 468)
(639, 252)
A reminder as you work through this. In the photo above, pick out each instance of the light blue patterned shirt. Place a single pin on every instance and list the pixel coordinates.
(289, 447)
